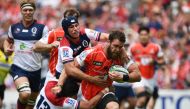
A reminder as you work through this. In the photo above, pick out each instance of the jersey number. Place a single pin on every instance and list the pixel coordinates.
(42, 104)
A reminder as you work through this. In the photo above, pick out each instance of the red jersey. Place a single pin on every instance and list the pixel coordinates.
(143, 55)
(96, 63)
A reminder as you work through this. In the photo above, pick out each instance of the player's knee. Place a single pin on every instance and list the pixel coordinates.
(112, 105)
(24, 91)
(23, 96)
(141, 102)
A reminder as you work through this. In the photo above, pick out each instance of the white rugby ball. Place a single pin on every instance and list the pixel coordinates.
(118, 69)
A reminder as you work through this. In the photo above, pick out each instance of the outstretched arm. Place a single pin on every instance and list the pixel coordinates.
(104, 37)
(46, 43)
(43, 47)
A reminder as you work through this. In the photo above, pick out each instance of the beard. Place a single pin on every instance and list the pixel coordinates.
(113, 55)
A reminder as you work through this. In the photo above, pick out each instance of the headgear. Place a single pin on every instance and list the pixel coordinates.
(66, 22)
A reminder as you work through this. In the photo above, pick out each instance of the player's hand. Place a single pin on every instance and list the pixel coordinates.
(57, 89)
(100, 81)
(106, 90)
(115, 76)
(9, 50)
(55, 44)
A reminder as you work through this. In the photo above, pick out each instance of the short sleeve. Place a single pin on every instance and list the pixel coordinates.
(83, 57)
(66, 54)
(92, 34)
(10, 35)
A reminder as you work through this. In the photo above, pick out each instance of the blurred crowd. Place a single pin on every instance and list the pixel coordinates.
(169, 21)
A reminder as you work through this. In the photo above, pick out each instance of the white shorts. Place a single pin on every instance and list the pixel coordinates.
(148, 83)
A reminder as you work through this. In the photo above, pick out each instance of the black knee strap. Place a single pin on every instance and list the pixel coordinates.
(142, 94)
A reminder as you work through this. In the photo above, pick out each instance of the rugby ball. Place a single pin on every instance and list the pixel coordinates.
(118, 69)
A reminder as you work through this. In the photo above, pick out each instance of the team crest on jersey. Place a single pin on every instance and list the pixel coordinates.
(85, 43)
(34, 30)
(65, 52)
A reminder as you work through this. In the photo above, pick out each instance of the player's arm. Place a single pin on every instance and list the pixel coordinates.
(72, 69)
(160, 55)
(8, 43)
(133, 74)
(104, 37)
(97, 36)
(93, 101)
(45, 44)
(132, 67)
(57, 89)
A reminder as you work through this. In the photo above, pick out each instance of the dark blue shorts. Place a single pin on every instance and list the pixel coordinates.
(124, 92)
(33, 77)
(2, 91)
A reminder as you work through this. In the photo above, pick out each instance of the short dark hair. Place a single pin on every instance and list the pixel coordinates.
(144, 28)
(117, 35)
(71, 12)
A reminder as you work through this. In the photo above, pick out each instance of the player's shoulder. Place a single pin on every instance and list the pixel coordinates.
(64, 42)
(154, 45)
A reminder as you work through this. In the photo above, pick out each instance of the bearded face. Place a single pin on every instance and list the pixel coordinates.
(114, 49)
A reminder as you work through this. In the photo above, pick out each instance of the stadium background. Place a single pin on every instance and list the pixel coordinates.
(169, 21)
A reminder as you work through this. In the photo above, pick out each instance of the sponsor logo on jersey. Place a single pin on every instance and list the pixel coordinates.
(97, 63)
(22, 46)
(70, 102)
(24, 30)
(59, 38)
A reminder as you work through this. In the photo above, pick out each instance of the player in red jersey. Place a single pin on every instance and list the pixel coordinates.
(146, 54)
(51, 42)
(74, 42)
(97, 62)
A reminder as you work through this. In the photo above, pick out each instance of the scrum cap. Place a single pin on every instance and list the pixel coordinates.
(66, 22)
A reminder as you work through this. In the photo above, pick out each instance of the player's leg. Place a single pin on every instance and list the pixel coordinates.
(23, 88)
(108, 101)
(142, 98)
(2, 90)
(152, 101)
(34, 80)
(22, 84)
(126, 96)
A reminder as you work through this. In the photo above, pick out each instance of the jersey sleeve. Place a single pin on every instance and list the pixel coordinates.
(10, 35)
(45, 36)
(45, 31)
(66, 54)
(92, 34)
(130, 62)
(83, 57)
